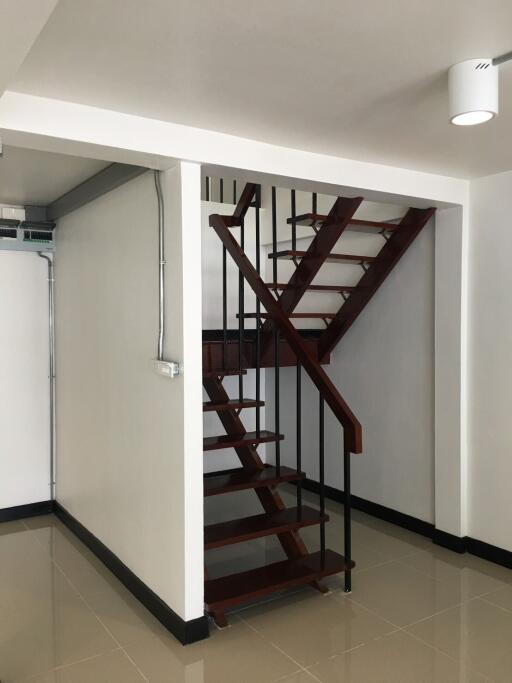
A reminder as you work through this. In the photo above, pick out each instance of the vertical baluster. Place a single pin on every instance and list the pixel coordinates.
(207, 188)
(294, 224)
(234, 191)
(347, 519)
(299, 437)
(314, 203)
(274, 234)
(276, 396)
(221, 190)
(322, 477)
(258, 311)
(241, 318)
(224, 309)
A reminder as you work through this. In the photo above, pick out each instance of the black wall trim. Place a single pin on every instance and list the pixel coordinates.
(23, 511)
(456, 543)
(489, 552)
(185, 631)
(374, 509)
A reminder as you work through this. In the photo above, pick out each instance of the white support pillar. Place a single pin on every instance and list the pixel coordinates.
(450, 375)
(183, 343)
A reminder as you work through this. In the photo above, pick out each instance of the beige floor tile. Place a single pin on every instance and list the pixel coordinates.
(114, 667)
(298, 677)
(476, 633)
(78, 563)
(235, 653)
(467, 574)
(43, 522)
(396, 658)
(400, 594)
(501, 597)
(11, 527)
(25, 569)
(48, 632)
(309, 626)
(43, 622)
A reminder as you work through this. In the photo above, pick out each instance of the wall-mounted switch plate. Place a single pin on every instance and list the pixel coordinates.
(168, 368)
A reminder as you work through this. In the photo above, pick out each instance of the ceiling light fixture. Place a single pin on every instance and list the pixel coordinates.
(473, 90)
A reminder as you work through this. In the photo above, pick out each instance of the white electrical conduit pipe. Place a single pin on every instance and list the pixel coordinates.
(167, 368)
(51, 340)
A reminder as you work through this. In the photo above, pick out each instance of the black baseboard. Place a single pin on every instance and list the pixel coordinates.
(489, 552)
(23, 511)
(374, 509)
(185, 631)
(456, 543)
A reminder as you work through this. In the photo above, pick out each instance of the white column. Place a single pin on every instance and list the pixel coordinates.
(183, 343)
(451, 371)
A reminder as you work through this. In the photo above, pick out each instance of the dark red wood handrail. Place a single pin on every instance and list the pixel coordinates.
(352, 427)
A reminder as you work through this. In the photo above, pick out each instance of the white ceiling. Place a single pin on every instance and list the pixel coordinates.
(363, 79)
(37, 178)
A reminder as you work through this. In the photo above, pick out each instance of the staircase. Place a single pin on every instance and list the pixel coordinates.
(275, 342)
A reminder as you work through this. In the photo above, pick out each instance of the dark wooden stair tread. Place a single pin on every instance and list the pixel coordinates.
(313, 288)
(256, 526)
(314, 219)
(239, 479)
(236, 588)
(332, 258)
(233, 404)
(323, 316)
(223, 373)
(213, 443)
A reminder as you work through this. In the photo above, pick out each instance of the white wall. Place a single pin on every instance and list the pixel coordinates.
(24, 387)
(129, 441)
(490, 366)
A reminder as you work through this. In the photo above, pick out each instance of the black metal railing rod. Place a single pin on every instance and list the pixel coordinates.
(276, 397)
(224, 309)
(314, 203)
(221, 190)
(241, 319)
(294, 224)
(274, 234)
(234, 191)
(299, 437)
(207, 188)
(258, 315)
(321, 472)
(347, 519)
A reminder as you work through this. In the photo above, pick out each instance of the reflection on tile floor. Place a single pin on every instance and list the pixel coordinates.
(417, 614)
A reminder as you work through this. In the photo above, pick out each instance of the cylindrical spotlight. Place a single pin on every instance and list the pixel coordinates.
(473, 88)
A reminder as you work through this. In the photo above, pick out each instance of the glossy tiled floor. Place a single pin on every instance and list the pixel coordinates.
(418, 614)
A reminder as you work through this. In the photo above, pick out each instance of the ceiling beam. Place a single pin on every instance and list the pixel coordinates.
(96, 186)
